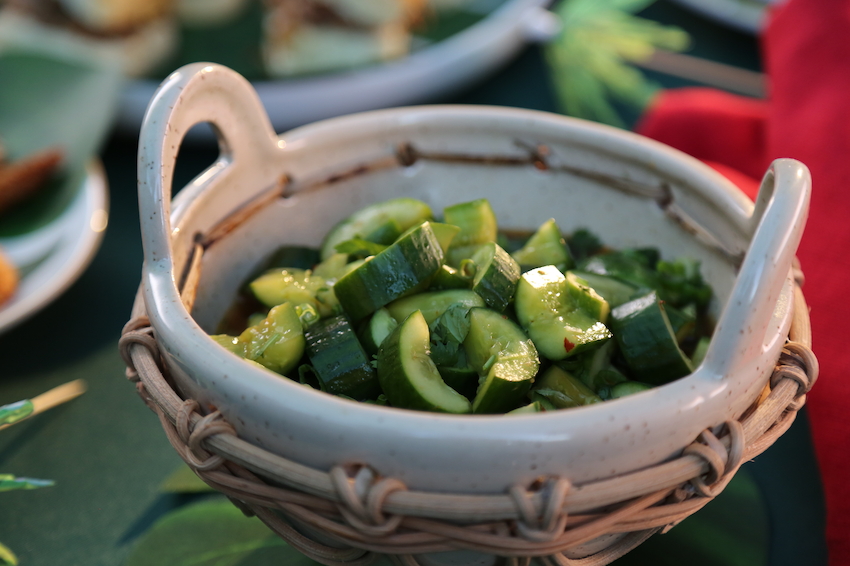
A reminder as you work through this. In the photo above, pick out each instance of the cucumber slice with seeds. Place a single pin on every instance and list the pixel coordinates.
(553, 320)
(277, 342)
(503, 356)
(409, 377)
(376, 330)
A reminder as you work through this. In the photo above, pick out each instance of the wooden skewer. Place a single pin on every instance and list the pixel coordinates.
(54, 397)
(711, 73)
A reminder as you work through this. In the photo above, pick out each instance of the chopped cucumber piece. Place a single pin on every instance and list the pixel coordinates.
(450, 278)
(230, 343)
(553, 319)
(533, 407)
(545, 247)
(445, 233)
(405, 212)
(384, 233)
(277, 342)
(613, 290)
(339, 361)
(296, 286)
(504, 357)
(563, 390)
(496, 276)
(628, 388)
(586, 299)
(409, 377)
(434, 303)
(332, 268)
(404, 268)
(376, 330)
(647, 341)
(476, 220)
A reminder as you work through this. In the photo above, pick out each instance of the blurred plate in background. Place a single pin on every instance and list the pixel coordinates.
(434, 70)
(49, 267)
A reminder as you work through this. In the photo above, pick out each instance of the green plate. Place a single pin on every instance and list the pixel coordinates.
(46, 102)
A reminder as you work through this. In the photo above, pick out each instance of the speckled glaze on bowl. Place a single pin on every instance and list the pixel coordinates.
(531, 166)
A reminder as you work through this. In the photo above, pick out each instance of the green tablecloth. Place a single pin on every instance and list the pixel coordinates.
(108, 454)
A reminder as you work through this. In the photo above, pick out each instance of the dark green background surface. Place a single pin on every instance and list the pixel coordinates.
(108, 454)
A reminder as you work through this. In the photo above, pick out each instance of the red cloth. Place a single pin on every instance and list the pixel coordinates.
(807, 117)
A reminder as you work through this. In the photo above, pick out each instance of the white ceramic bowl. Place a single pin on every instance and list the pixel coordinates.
(531, 166)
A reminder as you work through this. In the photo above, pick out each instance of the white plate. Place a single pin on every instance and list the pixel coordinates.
(744, 15)
(53, 257)
(425, 75)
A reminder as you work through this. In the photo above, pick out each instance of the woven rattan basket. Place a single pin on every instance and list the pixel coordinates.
(352, 510)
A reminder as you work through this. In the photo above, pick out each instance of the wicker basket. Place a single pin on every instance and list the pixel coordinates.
(367, 515)
(351, 513)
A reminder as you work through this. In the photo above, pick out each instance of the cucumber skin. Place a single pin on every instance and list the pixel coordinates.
(496, 282)
(399, 389)
(341, 364)
(404, 268)
(647, 341)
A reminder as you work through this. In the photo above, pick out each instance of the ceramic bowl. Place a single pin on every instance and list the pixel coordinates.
(267, 191)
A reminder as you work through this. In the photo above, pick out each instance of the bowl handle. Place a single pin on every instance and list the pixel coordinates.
(775, 227)
(197, 93)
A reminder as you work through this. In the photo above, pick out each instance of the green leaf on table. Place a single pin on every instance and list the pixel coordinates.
(184, 480)
(7, 556)
(733, 530)
(590, 57)
(8, 482)
(14, 412)
(212, 533)
(47, 102)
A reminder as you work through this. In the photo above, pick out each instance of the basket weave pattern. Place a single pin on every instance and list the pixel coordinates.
(350, 515)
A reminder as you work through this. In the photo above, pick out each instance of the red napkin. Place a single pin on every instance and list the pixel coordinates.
(807, 116)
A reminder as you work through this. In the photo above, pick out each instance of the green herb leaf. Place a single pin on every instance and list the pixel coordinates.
(590, 58)
(184, 480)
(8, 482)
(7, 556)
(583, 244)
(14, 412)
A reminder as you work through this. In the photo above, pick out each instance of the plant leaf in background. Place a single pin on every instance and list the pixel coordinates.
(14, 412)
(7, 556)
(8, 482)
(184, 480)
(212, 533)
(47, 102)
(590, 57)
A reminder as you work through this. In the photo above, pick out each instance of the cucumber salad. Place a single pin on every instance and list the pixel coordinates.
(453, 316)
